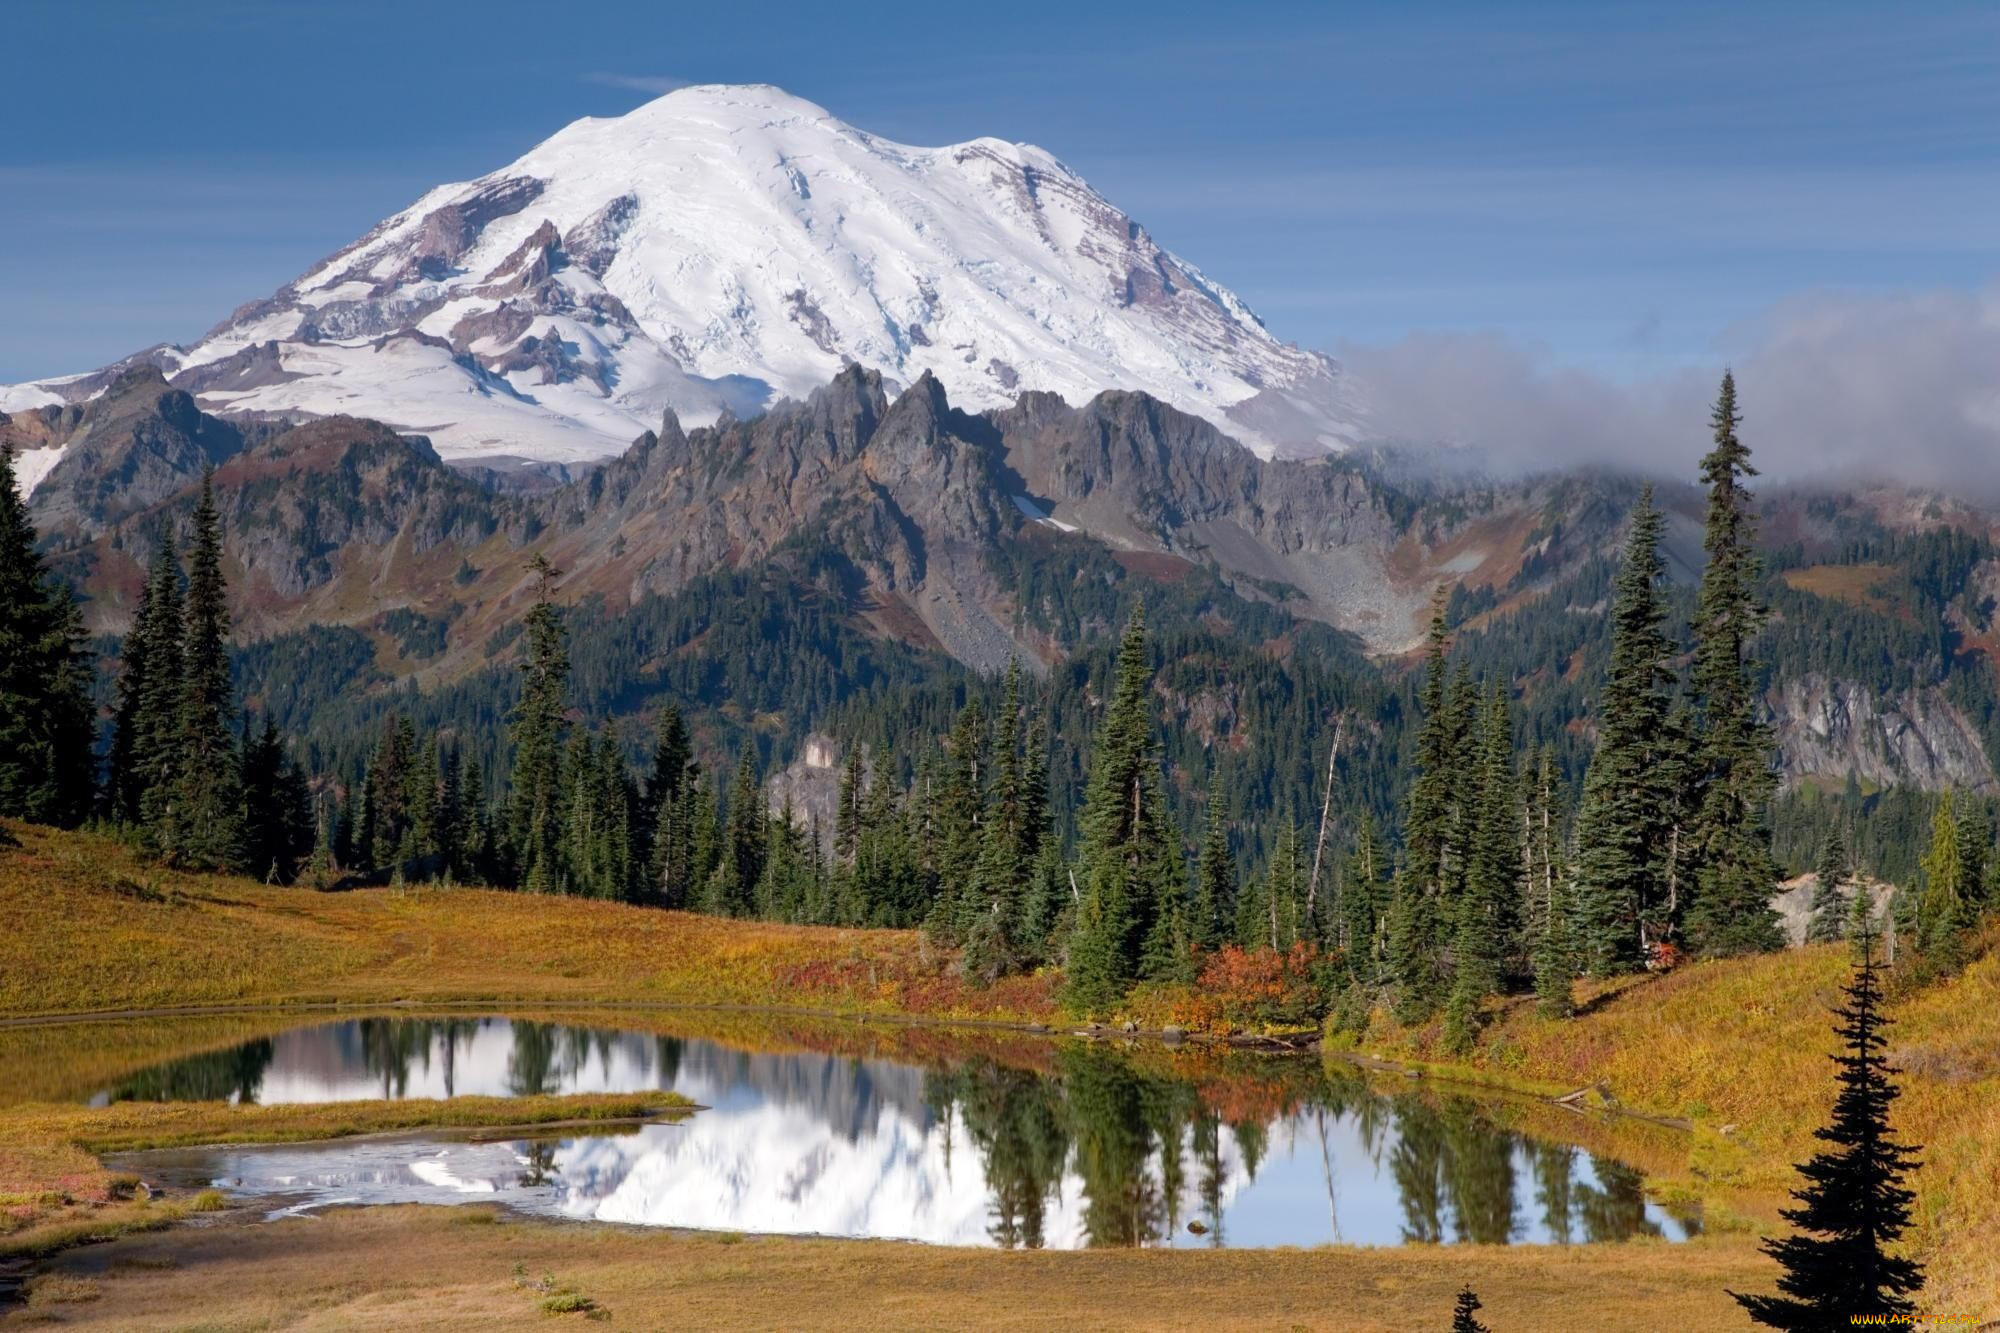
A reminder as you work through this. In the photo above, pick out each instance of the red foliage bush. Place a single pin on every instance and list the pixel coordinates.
(1241, 988)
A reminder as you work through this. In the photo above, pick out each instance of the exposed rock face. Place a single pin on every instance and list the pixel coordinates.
(1829, 728)
(916, 495)
(810, 787)
(1136, 473)
(911, 503)
(1793, 904)
(135, 445)
(335, 520)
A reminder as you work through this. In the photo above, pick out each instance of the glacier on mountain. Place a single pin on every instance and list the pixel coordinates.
(726, 246)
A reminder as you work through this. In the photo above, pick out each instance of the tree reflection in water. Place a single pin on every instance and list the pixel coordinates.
(1139, 1145)
(217, 1076)
(1091, 1145)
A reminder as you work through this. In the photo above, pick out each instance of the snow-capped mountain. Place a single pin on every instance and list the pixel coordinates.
(725, 246)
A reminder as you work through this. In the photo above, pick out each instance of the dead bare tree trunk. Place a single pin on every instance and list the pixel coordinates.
(1325, 813)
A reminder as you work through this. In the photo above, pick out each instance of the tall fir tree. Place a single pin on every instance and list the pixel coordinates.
(1620, 898)
(1167, 952)
(1422, 896)
(48, 724)
(1551, 951)
(1943, 913)
(539, 727)
(1485, 929)
(956, 812)
(671, 795)
(153, 644)
(1120, 836)
(1214, 906)
(200, 827)
(1362, 906)
(1853, 1206)
(1828, 921)
(848, 805)
(277, 829)
(1008, 843)
(1731, 912)
(745, 840)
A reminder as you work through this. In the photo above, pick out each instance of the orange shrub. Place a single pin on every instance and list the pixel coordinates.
(1260, 989)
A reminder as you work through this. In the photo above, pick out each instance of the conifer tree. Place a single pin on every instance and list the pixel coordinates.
(1731, 912)
(671, 756)
(848, 806)
(744, 838)
(152, 647)
(383, 836)
(1008, 844)
(1278, 899)
(1623, 828)
(1829, 909)
(1975, 854)
(155, 701)
(1214, 906)
(48, 724)
(277, 826)
(1551, 953)
(671, 795)
(1361, 912)
(1467, 1306)
(1485, 927)
(534, 820)
(1853, 1205)
(1942, 913)
(597, 823)
(200, 827)
(957, 811)
(422, 795)
(1862, 929)
(1120, 837)
(1423, 894)
(481, 855)
(453, 817)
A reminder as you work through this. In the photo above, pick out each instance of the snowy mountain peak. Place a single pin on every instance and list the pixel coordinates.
(727, 245)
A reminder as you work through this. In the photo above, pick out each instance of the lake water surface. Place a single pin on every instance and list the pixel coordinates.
(1065, 1146)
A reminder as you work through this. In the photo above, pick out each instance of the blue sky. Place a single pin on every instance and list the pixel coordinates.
(1626, 189)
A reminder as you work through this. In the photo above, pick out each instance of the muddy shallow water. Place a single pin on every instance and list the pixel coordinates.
(1067, 1147)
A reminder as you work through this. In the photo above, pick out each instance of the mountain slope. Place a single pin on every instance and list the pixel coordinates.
(723, 247)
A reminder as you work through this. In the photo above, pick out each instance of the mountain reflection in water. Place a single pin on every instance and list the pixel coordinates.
(1086, 1148)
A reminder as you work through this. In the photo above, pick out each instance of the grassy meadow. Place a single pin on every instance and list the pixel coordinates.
(1739, 1049)
(1736, 1050)
(86, 926)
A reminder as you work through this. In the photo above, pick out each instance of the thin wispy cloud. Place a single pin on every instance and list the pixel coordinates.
(656, 84)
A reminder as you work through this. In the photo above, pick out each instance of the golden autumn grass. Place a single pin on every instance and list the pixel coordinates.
(435, 1268)
(85, 926)
(1736, 1048)
(1740, 1048)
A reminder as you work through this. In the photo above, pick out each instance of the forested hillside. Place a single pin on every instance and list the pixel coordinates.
(858, 570)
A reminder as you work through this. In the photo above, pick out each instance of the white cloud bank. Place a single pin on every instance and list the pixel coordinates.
(1902, 388)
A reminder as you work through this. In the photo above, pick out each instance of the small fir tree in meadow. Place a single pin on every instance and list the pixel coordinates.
(1468, 1305)
(1853, 1207)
